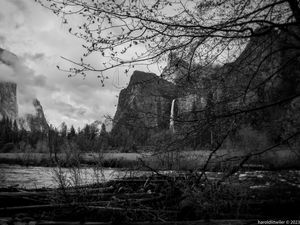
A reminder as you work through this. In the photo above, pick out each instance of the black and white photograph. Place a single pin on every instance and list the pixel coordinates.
(140, 112)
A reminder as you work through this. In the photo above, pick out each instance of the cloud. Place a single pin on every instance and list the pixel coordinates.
(13, 69)
(19, 4)
(38, 39)
(70, 110)
(2, 38)
(34, 57)
(40, 81)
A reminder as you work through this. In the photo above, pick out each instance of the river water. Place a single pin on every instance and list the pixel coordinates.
(51, 177)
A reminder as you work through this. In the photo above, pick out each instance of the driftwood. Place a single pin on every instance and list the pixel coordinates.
(17, 209)
(86, 189)
(99, 195)
(137, 201)
(101, 208)
(197, 222)
(50, 192)
(133, 210)
(142, 180)
(23, 194)
(89, 204)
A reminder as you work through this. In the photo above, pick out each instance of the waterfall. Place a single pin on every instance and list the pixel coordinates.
(172, 128)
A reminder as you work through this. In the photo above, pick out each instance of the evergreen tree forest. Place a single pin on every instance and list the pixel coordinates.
(54, 140)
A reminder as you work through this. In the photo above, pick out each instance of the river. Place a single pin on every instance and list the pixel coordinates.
(51, 177)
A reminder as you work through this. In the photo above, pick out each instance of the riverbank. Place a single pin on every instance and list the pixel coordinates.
(115, 160)
(159, 199)
(185, 160)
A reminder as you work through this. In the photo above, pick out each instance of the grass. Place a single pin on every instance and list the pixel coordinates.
(186, 160)
(117, 160)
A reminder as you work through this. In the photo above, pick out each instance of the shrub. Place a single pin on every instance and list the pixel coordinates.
(8, 147)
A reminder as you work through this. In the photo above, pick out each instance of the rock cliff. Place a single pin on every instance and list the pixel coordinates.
(8, 89)
(8, 100)
(9, 103)
(34, 122)
(267, 71)
(144, 106)
(7, 57)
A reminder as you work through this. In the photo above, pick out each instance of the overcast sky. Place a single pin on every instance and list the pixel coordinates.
(39, 38)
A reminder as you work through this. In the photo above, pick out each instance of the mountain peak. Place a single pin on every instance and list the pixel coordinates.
(8, 57)
(139, 77)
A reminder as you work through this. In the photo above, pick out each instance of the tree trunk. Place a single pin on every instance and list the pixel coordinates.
(295, 9)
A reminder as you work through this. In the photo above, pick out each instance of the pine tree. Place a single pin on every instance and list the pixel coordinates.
(72, 132)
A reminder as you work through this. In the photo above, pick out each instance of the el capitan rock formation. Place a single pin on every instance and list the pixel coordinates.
(35, 121)
(8, 100)
(8, 89)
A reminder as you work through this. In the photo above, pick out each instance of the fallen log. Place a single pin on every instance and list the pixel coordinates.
(133, 209)
(52, 206)
(100, 194)
(196, 222)
(23, 194)
(16, 209)
(140, 181)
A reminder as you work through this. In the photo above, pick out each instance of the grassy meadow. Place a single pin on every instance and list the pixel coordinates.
(184, 160)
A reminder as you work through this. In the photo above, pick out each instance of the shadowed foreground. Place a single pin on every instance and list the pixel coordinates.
(159, 199)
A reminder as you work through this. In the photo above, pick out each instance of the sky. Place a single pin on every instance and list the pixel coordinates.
(39, 39)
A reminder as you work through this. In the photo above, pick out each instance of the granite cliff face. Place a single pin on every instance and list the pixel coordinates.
(190, 103)
(8, 58)
(8, 89)
(8, 100)
(9, 103)
(144, 106)
(267, 71)
(34, 122)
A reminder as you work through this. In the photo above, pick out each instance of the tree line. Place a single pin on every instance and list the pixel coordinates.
(54, 140)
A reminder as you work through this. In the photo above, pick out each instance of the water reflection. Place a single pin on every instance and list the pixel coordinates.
(50, 177)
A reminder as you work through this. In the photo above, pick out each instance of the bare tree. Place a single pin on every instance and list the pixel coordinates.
(243, 54)
(130, 32)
